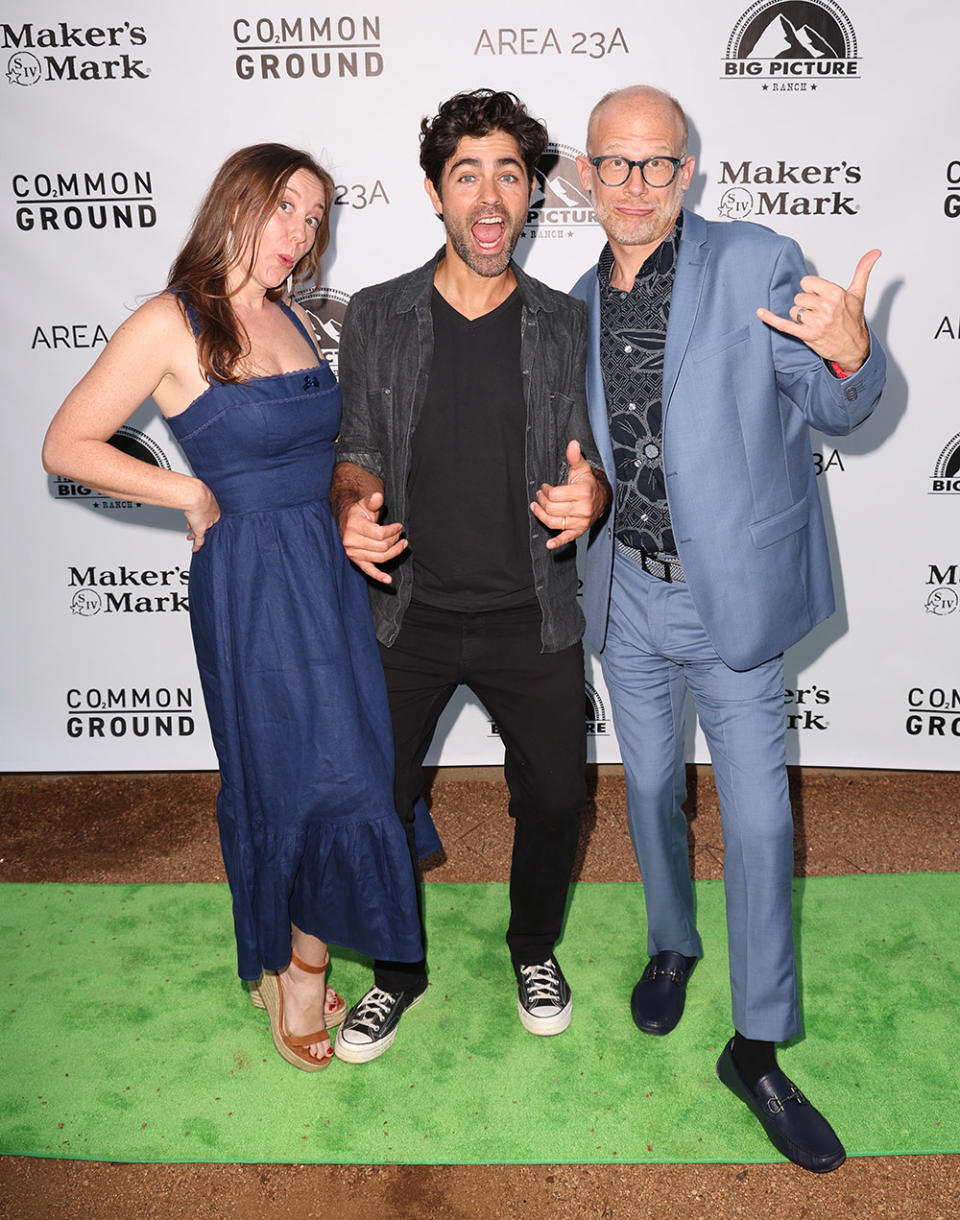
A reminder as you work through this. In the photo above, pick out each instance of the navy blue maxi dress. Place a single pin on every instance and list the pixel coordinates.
(292, 680)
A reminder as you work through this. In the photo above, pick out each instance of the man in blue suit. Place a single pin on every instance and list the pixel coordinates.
(711, 354)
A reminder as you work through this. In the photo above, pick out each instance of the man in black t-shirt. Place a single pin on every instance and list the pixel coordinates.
(466, 468)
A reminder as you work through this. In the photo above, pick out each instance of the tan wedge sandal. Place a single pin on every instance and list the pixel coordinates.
(336, 1005)
(294, 1048)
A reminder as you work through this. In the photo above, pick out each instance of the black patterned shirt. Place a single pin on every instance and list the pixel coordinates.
(633, 336)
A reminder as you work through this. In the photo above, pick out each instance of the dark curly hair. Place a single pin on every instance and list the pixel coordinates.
(477, 114)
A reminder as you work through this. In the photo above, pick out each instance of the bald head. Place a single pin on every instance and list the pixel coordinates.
(639, 100)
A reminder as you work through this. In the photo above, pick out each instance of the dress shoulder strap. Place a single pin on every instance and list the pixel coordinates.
(190, 311)
(300, 326)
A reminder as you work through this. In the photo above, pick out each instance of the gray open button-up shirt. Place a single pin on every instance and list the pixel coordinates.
(386, 351)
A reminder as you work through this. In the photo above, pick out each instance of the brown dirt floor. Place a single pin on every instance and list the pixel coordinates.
(161, 828)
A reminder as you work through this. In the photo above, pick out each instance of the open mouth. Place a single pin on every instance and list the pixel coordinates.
(488, 232)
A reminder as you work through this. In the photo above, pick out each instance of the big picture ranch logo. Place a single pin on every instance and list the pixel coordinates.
(128, 440)
(559, 203)
(792, 44)
(946, 473)
(326, 308)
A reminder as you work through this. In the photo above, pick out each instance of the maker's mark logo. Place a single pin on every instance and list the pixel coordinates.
(326, 308)
(123, 590)
(792, 44)
(23, 69)
(559, 203)
(785, 188)
(736, 203)
(73, 52)
(943, 599)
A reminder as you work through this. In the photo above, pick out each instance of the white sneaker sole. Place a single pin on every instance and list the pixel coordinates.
(545, 1025)
(363, 1053)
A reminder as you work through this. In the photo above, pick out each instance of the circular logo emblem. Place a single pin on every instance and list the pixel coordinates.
(942, 601)
(86, 602)
(793, 29)
(736, 203)
(326, 308)
(23, 69)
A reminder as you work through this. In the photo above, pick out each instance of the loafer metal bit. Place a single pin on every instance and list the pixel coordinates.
(795, 1128)
(658, 998)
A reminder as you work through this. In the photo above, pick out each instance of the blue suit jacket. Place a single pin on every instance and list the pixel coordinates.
(739, 399)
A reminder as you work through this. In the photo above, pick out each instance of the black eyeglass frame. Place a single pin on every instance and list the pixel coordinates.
(676, 162)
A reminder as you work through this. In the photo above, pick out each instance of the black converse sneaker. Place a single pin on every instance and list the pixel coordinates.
(370, 1026)
(544, 1001)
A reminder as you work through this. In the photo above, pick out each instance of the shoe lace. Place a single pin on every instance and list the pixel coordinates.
(542, 983)
(374, 1009)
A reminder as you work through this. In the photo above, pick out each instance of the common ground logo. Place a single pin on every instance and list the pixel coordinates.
(804, 708)
(128, 440)
(559, 203)
(130, 711)
(294, 48)
(933, 712)
(786, 189)
(951, 201)
(65, 52)
(326, 308)
(942, 598)
(89, 199)
(945, 479)
(594, 714)
(122, 590)
(792, 45)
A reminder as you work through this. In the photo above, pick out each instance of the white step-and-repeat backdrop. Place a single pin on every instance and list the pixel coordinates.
(836, 125)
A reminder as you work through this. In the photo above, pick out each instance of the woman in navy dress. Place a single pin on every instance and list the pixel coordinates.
(281, 624)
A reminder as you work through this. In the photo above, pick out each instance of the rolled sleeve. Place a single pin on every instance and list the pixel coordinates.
(358, 441)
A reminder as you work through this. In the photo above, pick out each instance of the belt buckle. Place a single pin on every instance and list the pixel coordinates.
(648, 561)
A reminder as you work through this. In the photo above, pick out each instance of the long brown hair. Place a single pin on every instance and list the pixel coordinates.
(227, 228)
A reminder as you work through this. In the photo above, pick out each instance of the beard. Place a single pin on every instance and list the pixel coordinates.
(490, 265)
(635, 230)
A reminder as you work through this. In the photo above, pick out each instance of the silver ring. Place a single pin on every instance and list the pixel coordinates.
(800, 312)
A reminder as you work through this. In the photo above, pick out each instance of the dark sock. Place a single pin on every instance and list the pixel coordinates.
(753, 1057)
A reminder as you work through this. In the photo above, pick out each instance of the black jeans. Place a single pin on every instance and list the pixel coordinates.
(536, 699)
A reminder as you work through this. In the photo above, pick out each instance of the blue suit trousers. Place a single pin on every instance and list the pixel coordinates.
(656, 651)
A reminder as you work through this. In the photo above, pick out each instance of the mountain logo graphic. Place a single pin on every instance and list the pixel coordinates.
(791, 39)
(559, 204)
(326, 308)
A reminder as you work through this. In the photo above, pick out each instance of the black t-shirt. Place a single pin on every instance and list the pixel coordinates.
(468, 514)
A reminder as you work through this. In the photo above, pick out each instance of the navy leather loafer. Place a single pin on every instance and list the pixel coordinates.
(793, 1125)
(658, 998)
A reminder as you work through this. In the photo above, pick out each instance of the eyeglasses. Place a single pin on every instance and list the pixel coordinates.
(655, 171)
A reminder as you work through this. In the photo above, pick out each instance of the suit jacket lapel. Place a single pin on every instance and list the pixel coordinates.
(596, 398)
(692, 260)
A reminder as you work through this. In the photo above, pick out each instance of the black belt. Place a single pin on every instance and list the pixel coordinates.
(663, 567)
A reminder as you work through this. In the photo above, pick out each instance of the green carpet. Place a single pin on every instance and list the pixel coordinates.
(126, 1036)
